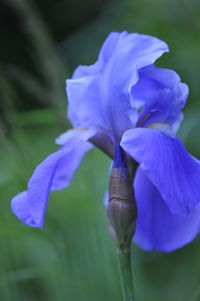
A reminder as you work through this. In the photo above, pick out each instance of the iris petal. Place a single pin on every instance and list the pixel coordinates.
(99, 95)
(55, 172)
(20, 207)
(157, 227)
(165, 161)
(161, 95)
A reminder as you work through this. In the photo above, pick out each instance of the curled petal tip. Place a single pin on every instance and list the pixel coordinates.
(20, 207)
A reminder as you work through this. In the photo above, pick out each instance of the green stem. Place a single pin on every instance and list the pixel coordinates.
(126, 275)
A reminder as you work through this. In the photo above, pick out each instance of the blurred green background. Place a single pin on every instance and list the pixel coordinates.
(73, 257)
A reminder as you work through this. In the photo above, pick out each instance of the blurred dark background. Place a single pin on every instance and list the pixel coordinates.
(73, 258)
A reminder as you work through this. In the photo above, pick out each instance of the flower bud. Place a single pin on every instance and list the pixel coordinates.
(122, 211)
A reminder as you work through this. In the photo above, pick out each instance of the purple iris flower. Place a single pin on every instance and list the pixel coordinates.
(124, 98)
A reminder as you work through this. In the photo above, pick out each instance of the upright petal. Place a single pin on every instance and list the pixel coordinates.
(55, 172)
(165, 161)
(104, 56)
(145, 49)
(157, 227)
(160, 94)
(99, 95)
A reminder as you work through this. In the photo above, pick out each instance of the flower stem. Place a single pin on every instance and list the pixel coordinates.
(126, 275)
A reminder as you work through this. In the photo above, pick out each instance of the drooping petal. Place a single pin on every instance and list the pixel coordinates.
(55, 172)
(99, 95)
(73, 135)
(165, 161)
(160, 94)
(74, 147)
(20, 207)
(157, 227)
